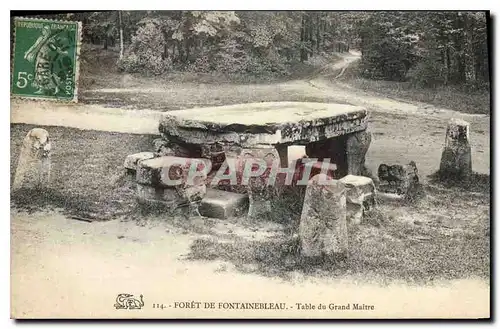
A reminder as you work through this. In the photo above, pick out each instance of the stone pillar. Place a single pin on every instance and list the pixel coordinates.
(33, 165)
(456, 160)
(231, 155)
(357, 145)
(259, 196)
(348, 152)
(360, 197)
(283, 155)
(260, 192)
(323, 228)
(215, 153)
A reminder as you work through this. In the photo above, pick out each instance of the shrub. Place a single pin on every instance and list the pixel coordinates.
(385, 60)
(201, 64)
(146, 52)
(230, 57)
(427, 73)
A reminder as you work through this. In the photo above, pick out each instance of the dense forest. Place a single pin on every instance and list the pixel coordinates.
(427, 48)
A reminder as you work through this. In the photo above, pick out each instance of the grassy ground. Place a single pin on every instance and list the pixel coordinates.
(445, 235)
(437, 238)
(449, 97)
(87, 172)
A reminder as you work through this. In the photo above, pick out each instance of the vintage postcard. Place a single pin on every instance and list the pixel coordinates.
(250, 165)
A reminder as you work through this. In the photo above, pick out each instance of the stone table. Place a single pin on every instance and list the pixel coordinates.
(334, 131)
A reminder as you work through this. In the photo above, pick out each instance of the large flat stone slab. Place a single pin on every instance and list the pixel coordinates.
(267, 123)
(223, 205)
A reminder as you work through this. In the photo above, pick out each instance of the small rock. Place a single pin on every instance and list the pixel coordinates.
(398, 179)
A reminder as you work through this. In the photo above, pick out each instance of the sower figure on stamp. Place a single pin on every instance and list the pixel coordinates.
(33, 166)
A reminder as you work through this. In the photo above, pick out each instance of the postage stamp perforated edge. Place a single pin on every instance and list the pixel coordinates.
(77, 61)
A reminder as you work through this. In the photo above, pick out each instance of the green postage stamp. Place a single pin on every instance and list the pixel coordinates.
(45, 63)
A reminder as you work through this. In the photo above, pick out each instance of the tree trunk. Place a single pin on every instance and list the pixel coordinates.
(121, 33)
(180, 50)
(318, 31)
(303, 53)
(446, 65)
(165, 51)
(469, 53)
(310, 35)
(485, 71)
(187, 46)
(459, 58)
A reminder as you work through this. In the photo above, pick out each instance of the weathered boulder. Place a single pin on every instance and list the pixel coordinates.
(34, 164)
(172, 182)
(360, 196)
(167, 196)
(132, 160)
(456, 159)
(399, 179)
(161, 147)
(170, 199)
(168, 148)
(168, 171)
(323, 227)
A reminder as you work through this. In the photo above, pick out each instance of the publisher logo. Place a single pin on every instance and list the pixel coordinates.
(127, 301)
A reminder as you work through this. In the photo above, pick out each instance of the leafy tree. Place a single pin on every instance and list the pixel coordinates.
(427, 48)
